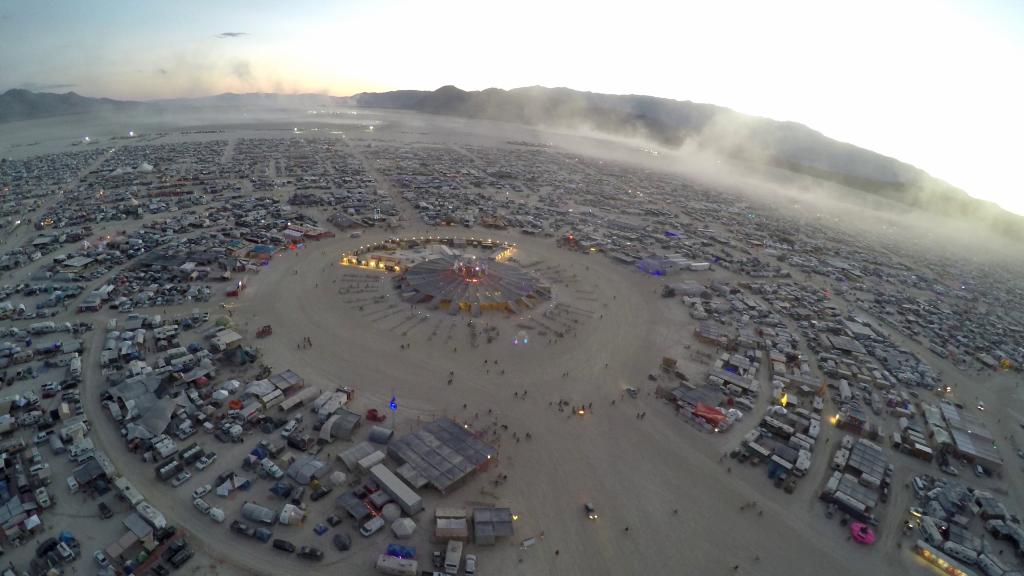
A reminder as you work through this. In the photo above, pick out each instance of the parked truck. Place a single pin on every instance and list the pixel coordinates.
(151, 515)
(75, 367)
(453, 557)
(406, 497)
(127, 491)
(397, 566)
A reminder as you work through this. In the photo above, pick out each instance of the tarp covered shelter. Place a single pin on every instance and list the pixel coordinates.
(304, 470)
(380, 435)
(491, 523)
(403, 527)
(710, 414)
(443, 452)
(353, 455)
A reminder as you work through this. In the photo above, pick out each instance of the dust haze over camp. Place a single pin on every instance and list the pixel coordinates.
(319, 288)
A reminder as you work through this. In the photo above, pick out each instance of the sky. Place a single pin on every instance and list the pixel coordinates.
(935, 83)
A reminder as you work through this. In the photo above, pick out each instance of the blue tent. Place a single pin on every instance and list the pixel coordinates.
(399, 551)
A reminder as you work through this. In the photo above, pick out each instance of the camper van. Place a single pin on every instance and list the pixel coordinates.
(930, 531)
(960, 553)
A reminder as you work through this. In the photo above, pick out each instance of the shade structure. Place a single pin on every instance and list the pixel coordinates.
(403, 527)
(471, 284)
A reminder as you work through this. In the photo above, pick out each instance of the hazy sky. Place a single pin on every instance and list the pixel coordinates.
(935, 83)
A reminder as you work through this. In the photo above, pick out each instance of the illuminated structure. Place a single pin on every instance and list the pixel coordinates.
(452, 279)
(470, 284)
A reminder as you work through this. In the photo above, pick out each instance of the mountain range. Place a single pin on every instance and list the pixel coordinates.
(17, 104)
(668, 123)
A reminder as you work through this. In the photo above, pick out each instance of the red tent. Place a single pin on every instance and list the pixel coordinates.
(712, 415)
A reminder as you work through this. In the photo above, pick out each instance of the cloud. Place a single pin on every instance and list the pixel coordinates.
(37, 87)
(231, 34)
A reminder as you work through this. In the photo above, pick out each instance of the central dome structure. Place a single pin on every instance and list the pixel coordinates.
(461, 283)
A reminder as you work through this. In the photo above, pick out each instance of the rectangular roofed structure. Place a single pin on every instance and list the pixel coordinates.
(444, 452)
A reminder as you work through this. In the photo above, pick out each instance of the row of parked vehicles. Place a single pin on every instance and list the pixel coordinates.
(265, 535)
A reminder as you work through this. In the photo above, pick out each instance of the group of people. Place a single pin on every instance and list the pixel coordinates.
(306, 343)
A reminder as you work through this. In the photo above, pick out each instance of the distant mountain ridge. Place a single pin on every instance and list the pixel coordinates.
(670, 123)
(258, 99)
(17, 104)
(674, 124)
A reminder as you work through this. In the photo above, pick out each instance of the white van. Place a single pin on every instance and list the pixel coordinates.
(372, 526)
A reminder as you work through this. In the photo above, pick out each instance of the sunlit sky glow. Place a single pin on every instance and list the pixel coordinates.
(934, 83)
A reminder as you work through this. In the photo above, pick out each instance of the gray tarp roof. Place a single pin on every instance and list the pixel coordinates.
(442, 451)
(353, 455)
(158, 416)
(352, 504)
(345, 424)
(305, 470)
(257, 513)
(380, 435)
(492, 522)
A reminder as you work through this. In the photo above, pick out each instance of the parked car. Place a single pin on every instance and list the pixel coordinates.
(101, 559)
(284, 545)
(470, 565)
(311, 553)
(243, 528)
(201, 491)
(201, 505)
(320, 493)
(179, 559)
(333, 520)
(105, 511)
(181, 478)
(591, 513)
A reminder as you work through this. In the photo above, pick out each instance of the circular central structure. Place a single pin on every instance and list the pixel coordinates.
(459, 283)
(471, 268)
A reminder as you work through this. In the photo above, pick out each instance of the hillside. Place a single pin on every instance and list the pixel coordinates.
(674, 124)
(19, 104)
